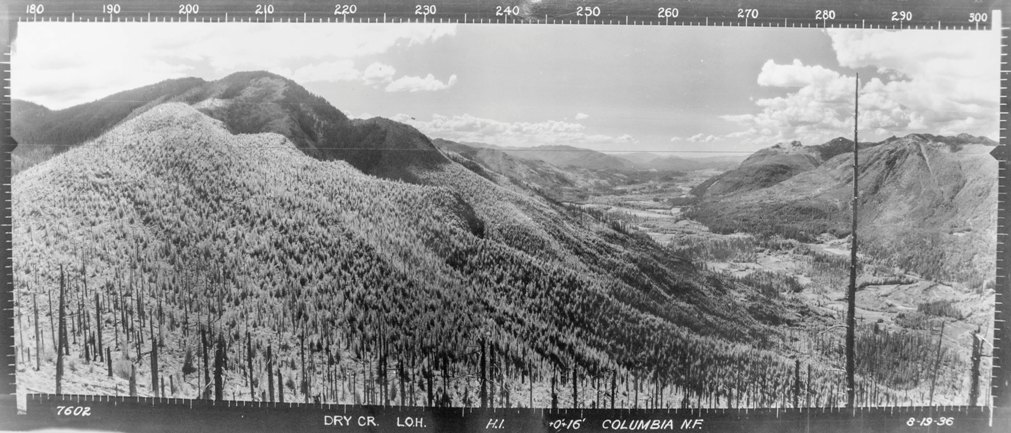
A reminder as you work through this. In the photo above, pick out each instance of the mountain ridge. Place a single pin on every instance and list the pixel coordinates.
(927, 203)
(247, 102)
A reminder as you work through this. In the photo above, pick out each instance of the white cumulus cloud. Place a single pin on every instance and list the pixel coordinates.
(702, 138)
(63, 64)
(333, 71)
(582, 116)
(428, 83)
(936, 82)
(378, 73)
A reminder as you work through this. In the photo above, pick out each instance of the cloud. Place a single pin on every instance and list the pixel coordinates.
(819, 104)
(334, 71)
(936, 82)
(702, 138)
(63, 64)
(466, 127)
(697, 138)
(378, 73)
(428, 83)
(582, 116)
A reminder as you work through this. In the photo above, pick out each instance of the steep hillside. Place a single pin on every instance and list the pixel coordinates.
(42, 133)
(34, 124)
(252, 102)
(523, 175)
(247, 102)
(191, 238)
(772, 165)
(928, 204)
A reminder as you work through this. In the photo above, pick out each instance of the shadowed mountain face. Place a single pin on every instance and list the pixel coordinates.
(247, 102)
(32, 124)
(927, 203)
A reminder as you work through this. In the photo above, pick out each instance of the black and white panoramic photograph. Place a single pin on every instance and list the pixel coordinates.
(495, 216)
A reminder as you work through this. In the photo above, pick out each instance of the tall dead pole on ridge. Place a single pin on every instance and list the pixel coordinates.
(851, 296)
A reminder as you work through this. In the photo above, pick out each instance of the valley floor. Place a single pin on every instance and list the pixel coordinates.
(900, 319)
(808, 283)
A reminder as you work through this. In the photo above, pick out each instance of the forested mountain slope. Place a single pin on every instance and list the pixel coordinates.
(927, 203)
(192, 238)
(772, 165)
(247, 102)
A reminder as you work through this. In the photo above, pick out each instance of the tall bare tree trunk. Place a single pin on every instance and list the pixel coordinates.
(98, 325)
(851, 294)
(808, 393)
(63, 336)
(207, 370)
(484, 376)
(154, 363)
(554, 394)
(133, 380)
(270, 372)
(219, 369)
(614, 385)
(305, 379)
(973, 372)
(280, 386)
(530, 371)
(491, 375)
(796, 383)
(575, 385)
(401, 374)
(39, 343)
(249, 366)
(52, 326)
(115, 317)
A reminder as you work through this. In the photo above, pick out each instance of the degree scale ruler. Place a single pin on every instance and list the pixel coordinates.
(148, 414)
(930, 14)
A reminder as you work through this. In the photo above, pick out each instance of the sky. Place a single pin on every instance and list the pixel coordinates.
(613, 88)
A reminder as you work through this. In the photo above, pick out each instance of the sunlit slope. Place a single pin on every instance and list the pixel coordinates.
(246, 102)
(928, 204)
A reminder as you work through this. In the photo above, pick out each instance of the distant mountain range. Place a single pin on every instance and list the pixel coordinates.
(568, 184)
(577, 157)
(249, 192)
(568, 156)
(252, 102)
(566, 173)
(652, 161)
(928, 203)
(772, 165)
